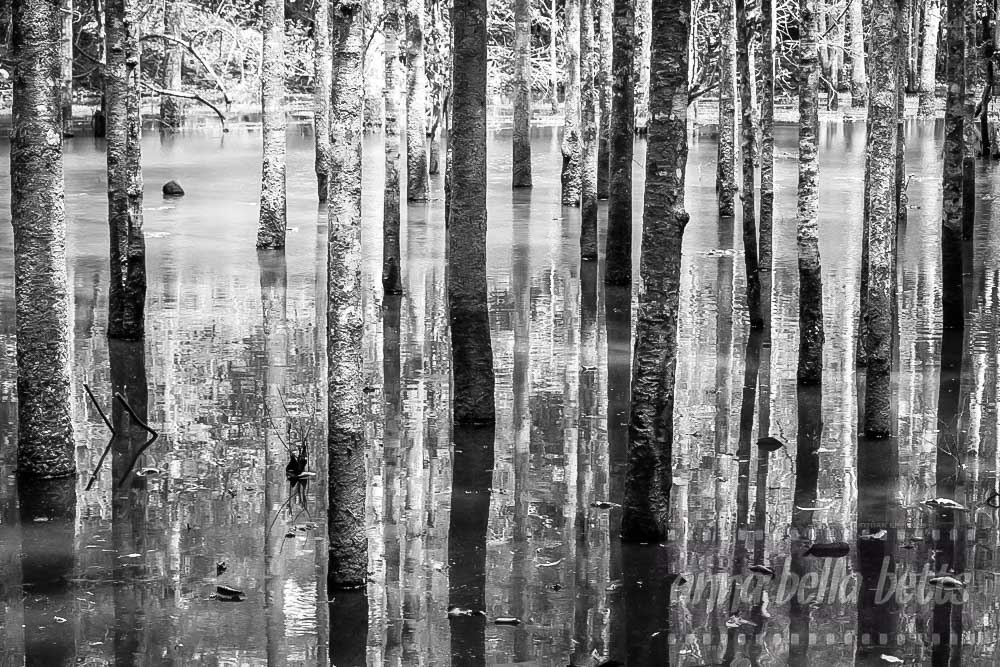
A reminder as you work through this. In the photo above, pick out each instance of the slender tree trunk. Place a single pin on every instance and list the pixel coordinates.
(346, 433)
(45, 446)
(271, 229)
(589, 122)
(725, 177)
(416, 104)
(859, 77)
(928, 65)
(391, 278)
(748, 136)
(522, 94)
(472, 351)
(553, 58)
(571, 149)
(323, 61)
(765, 73)
(649, 478)
(618, 250)
(881, 205)
(952, 294)
(810, 365)
(604, 97)
(972, 82)
(66, 67)
(374, 66)
(173, 65)
(643, 19)
(127, 289)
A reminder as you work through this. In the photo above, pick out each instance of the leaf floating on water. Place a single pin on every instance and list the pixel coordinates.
(891, 659)
(305, 475)
(604, 505)
(290, 533)
(131, 556)
(459, 611)
(220, 567)
(59, 619)
(552, 564)
(947, 583)
(507, 620)
(770, 444)
(944, 504)
(762, 569)
(614, 586)
(829, 550)
(880, 535)
(227, 594)
(148, 472)
(813, 509)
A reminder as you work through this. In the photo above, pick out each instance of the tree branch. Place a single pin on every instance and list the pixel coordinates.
(188, 96)
(192, 51)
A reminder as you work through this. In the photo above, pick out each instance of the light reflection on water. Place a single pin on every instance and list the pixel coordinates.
(234, 359)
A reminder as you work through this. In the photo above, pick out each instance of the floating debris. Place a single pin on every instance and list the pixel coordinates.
(770, 444)
(149, 472)
(220, 567)
(891, 659)
(761, 569)
(459, 611)
(880, 535)
(552, 564)
(944, 504)
(290, 533)
(829, 550)
(59, 619)
(947, 583)
(507, 620)
(604, 505)
(227, 594)
(614, 586)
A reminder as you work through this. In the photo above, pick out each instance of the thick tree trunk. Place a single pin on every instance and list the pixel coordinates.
(472, 351)
(127, 289)
(928, 64)
(643, 19)
(859, 77)
(521, 177)
(173, 65)
(344, 326)
(323, 62)
(725, 176)
(66, 68)
(618, 247)
(45, 446)
(374, 66)
(649, 478)
(765, 74)
(881, 207)
(416, 104)
(589, 121)
(810, 365)
(604, 31)
(391, 278)
(952, 299)
(571, 158)
(271, 228)
(748, 144)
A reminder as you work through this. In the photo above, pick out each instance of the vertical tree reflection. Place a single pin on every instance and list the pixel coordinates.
(391, 488)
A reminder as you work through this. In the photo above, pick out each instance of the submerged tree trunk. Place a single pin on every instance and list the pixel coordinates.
(391, 279)
(521, 177)
(725, 176)
(604, 49)
(127, 288)
(859, 77)
(45, 446)
(571, 158)
(271, 228)
(748, 143)
(810, 365)
(416, 104)
(765, 74)
(173, 65)
(649, 478)
(618, 247)
(374, 66)
(66, 67)
(323, 61)
(643, 19)
(589, 120)
(472, 351)
(928, 65)
(344, 326)
(952, 299)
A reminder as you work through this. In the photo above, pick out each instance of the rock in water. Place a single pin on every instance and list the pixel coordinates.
(172, 189)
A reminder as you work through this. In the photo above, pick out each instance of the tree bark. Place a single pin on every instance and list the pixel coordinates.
(972, 80)
(618, 247)
(725, 177)
(45, 446)
(589, 121)
(521, 177)
(66, 67)
(374, 66)
(344, 325)
(571, 163)
(127, 289)
(391, 279)
(323, 62)
(952, 293)
(553, 58)
(928, 65)
(859, 77)
(748, 145)
(810, 364)
(472, 351)
(416, 104)
(604, 30)
(173, 64)
(765, 74)
(648, 478)
(271, 227)
(643, 19)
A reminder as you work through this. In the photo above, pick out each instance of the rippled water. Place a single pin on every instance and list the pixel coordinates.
(232, 372)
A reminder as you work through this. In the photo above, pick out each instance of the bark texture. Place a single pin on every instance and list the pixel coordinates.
(725, 176)
(127, 288)
(391, 279)
(374, 66)
(810, 365)
(271, 227)
(618, 247)
(521, 176)
(928, 63)
(643, 19)
(66, 67)
(859, 75)
(323, 62)
(748, 147)
(604, 55)
(952, 301)
(589, 121)
(472, 351)
(45, 445)
(571, 149)
(765, 75)
(416, 104)
(649, 478)
(346, 445)
(173, 64)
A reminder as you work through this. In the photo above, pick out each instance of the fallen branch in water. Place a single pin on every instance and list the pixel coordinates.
(107, 421)
(154, 435)
(188, 96)
(114, 434)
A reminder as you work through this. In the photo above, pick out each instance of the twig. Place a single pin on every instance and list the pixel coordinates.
(107, 449)
(145, 446)
(189, 96)
(192, 51)
(99, 411)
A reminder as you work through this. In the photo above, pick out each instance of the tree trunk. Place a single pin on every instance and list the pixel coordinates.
(323, 61)
(553, 58)
(45, 446)
(748, 136)
(472, 351)
(725, 177)
(859, 77)
(66, 68)
(589, 121)
(649, 479)
(928, 65)
(618, 247)
(643, 19)
(127, 289)
(416, 104)
(521, 177)
(604, 97)
(374, 67)
(571, 165)
(173, 65)
(765, 73)
(972, 92)
(271, 228)
(391, 278)
(344, 326)
(881, 205)
(810, 365)
(952, 299)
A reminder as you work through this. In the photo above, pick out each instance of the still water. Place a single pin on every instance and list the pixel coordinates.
(231, 376)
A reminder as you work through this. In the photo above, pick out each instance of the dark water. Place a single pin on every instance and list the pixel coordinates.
(232, 372)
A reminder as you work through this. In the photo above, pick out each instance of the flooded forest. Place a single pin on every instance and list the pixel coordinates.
(499, 332)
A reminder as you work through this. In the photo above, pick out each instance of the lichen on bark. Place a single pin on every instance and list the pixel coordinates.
(416, 104)
(272, 223)
(571, 148)
(589, 121)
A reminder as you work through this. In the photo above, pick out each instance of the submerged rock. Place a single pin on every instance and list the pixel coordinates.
(172, 189)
